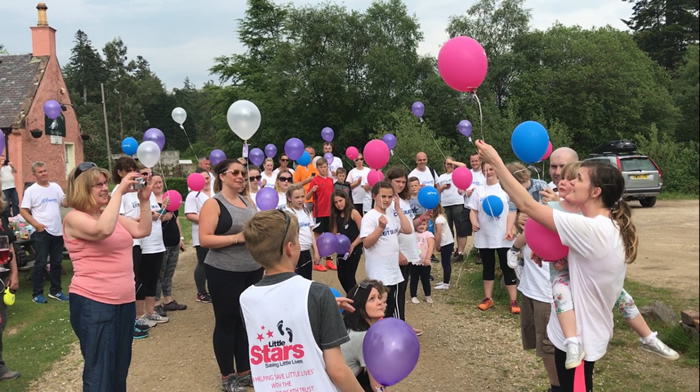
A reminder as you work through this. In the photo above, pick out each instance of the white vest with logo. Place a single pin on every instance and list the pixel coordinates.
(284, 355)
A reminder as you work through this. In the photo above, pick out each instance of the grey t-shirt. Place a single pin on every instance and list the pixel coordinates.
(326, 323)
(235, 258)
(352, 351)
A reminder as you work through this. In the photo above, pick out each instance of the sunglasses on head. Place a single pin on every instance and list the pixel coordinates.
(286, 229)
(255, 178)
(283, 179)
(83, 167)
(361, 285)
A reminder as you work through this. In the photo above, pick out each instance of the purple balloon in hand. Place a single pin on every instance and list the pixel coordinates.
(155, 135)
(327, 243)
(344, 244)
(465, 128)
(267, 199)
(418, 109)
(270, 151)
(390, 140)
(256, 156)
(327, 134)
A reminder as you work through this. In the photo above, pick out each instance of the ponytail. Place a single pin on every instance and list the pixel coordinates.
(621, 213)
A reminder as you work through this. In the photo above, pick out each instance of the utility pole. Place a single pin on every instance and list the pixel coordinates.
(104, 112)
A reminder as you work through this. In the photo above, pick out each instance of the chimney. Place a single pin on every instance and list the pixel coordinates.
(43, 35)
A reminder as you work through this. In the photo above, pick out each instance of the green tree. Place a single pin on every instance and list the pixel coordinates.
(2, 49)
(678, 161)
(685, 90)
(85, 69)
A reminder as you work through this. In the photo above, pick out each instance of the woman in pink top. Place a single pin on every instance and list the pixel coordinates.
(102, 296)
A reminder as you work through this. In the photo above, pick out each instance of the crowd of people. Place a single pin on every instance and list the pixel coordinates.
(245, 256)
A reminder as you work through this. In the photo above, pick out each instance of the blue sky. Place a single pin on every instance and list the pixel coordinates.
(180, 38)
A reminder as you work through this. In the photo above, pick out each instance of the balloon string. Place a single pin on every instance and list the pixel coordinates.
(190, 143)
(481, 116)
(432, 137)
(404, 163)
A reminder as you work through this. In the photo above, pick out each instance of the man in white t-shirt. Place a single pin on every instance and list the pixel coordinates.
(337, 162)
(560, 157)
(7, 175)
(359, 186)
(425, 175)
(41, 208)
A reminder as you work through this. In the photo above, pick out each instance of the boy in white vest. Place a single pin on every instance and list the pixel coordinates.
(293, 324)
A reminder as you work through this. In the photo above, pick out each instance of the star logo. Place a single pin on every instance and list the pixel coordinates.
(263, 327)
(260, 337)
(270, 334)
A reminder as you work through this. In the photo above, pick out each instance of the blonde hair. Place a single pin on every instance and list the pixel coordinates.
(290, 191)
(263, 235)
(79, 190)
(519, 171)
(570, 170)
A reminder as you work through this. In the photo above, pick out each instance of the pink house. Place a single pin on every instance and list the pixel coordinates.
(27, 81)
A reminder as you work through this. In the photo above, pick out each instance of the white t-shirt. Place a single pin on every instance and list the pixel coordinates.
(282, 200)
(130, 208)
(154, 242)
(44, 202)
(534, 280)
(193, 204)
(478, 179)
(270, 179)
(358, 192)
(597, 272)
(491, 229)
(306, 221)
(337, 164)
(408, 244)
(382, 259)
(7, 176)
(277, 171)
(449, 196)
(425, 177)
(446, 237)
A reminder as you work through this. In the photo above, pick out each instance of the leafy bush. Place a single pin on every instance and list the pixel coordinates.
(179, 184)
(678, 161)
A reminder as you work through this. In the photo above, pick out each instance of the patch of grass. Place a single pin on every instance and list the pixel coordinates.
(676, 338)
(185, 227)
(36, 335)
(666, 195)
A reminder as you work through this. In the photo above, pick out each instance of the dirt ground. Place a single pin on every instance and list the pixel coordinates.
(462, 349)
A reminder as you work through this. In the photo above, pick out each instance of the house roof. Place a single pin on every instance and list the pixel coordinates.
(19, 80)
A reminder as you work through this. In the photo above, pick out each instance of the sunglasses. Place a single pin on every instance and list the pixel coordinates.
(286, 229)
(361, 285)
(255, 178)
(285, 179)
(236, 172)
(145, 173)
(83, 167)
(284, 160)
(358, 159)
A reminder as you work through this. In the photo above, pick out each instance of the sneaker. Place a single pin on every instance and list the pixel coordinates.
(512, 257)
(478, 258)
(9, 375)
(174, 306)
(429, 299)
(161, 311)
(432, 278)
(330, 265)
(245, 379)
(156, 318)
(574, 355)
(203, 297)
(418, 332)
(39, 299)
(143, 320)
(514, 307)
(230, 384)
(415, 300)
(320, 268)
(141, 327)
(59, 296)
(434, 259)
(139, 334)
(486, 304)
(459, 257)
(658, 347)
(442, 286)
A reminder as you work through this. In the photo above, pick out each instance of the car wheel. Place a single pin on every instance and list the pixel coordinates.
(647, 201)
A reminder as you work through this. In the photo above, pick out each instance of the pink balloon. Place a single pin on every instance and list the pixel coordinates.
(175, 200)
(462, 178)
(376, 154)
(548, 153)
(544, 242)
(374, 177)
(462, 64)
(352, 153)
(196, 181)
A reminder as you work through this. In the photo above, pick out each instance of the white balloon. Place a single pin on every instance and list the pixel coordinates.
(148, 153)
(179, 115)
(244, 118)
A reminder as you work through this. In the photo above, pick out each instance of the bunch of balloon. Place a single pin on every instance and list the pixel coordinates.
(243, 118)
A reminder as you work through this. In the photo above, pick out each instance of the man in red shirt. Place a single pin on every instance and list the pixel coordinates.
(321, 189)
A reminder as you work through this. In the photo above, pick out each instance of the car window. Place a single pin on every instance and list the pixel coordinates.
(637, 164)
(602, 160)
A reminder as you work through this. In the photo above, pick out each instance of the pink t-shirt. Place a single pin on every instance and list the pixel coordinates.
(103, 271)
(423, 245)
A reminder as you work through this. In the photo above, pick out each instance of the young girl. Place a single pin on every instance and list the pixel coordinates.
(268, 177)
(295, 205)
(369, 300)
(345, 219)
(283, 181)
(446, 242)
(421, 270)
(253, 179)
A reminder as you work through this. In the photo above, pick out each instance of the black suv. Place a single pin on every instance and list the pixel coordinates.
(643, 178)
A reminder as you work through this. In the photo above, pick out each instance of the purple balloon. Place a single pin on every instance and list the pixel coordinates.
(344, 244)
(155, 135)
(390, 140)
(2, 145)
(465, 128)
(256, 156)
(329, 158)
(267, 199)
(270, 151)
(294, 147)
(327, 134)
(326, 243)
(418, 109)
(391, 350)
(52, 109)
(216, 156)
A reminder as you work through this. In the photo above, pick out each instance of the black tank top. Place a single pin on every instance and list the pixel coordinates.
(350, 230)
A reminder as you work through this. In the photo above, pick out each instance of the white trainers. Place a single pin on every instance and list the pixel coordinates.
(429, 300)
(156, 318)
(442, 286)
(658, 347)
(143, 320)
(574, 355)
(512, 257)
(415, 300)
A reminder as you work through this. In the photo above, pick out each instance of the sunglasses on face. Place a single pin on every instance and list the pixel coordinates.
(283, 179)
(255, 178)
(83, 167)
(358, 159)
(284, 160)
(236, 172)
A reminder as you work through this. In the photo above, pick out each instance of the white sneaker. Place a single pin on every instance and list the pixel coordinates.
(512, 257)
(442, 286)
(143, 320)
(429, 300)
(156, 318)
(574, 355)
(658, 347)
(415, 300)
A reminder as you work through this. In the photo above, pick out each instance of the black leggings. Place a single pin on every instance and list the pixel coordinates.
(347, 268)
(422, 273)
(566, 376)
(453, 214)
(305, 264)
(200, 278)
(488, 259)
(392, 309)
(445, 259)
(230, 339)
(147, 275)
(401, 295)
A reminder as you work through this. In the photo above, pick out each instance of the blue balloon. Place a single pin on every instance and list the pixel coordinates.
(129, 146)
(305, 159)
(431, 226)
(492, 205)
(530, 141)
(428, 197)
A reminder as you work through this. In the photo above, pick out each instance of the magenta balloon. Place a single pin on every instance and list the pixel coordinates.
(376, 154)
(270, 151)
(344, 244)
(391, 350)
(374, 176)
(155, 135)
(326, 243)
(52, 109)
(352, 153)
(465, 128)
(327, 134)
(418, 109)
(216, 157)
(256, 156)
(196, 182)
(294, 147)
(462, 64)
(175, 200)
(548, 153)
(462, 178)
(267, 199)
(544, 242)
(390, 140)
